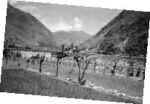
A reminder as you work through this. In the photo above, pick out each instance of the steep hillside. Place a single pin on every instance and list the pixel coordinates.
(24, 29)
(126, 34)
(76, 37)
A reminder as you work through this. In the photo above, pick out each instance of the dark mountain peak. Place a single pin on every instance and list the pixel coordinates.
(126, 34)
(24, 29)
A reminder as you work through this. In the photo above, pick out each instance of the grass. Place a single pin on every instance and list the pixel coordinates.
(23, 81)
(122, 84)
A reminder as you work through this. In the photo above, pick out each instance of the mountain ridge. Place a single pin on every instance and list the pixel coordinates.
(122, 35)
(24, 29)
(69, 37)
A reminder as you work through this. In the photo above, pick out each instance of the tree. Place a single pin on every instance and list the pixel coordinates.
(6, 54)
(59, 56)
(78, 60)
(81, 81)
(41, 62)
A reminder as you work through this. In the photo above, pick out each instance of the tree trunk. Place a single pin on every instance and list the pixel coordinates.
(40, 69)
(95, 65)
(57, 67)
(71, 71)
(6, 60)
(85, 68)
(79, 70)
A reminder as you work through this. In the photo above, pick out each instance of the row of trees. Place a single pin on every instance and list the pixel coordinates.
(67, 52)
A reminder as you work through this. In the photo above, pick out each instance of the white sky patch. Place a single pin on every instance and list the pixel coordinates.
(78, 24)
(61, 25)
(12, 2)
(28, 8)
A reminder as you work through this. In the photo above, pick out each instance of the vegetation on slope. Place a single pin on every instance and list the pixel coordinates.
(24, 29)
(126, 34)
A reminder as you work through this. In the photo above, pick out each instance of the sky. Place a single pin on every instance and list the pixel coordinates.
(58, 17)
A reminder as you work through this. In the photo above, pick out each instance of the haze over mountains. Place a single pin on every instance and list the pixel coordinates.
(126, 34)
(24, 29)
(69, 37)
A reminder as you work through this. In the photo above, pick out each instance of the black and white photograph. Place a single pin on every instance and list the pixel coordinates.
(69, 51)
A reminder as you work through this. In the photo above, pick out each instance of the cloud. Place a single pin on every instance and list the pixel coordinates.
(62, 25)
(59, 26)
(78, 24)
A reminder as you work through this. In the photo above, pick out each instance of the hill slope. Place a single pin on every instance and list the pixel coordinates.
(126, 34)
(71, 37)
(24, 29)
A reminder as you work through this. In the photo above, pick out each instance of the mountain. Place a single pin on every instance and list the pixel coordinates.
(68, 37)
(126, 34)
(24, 29)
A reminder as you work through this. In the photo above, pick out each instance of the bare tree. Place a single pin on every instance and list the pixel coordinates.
(59, 56)
(95, 64)
(81, 81)
(41, 62)
(78, 58)
(114, 68)
(6, 55)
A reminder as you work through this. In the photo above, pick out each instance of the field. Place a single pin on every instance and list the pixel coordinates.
(18, 80)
